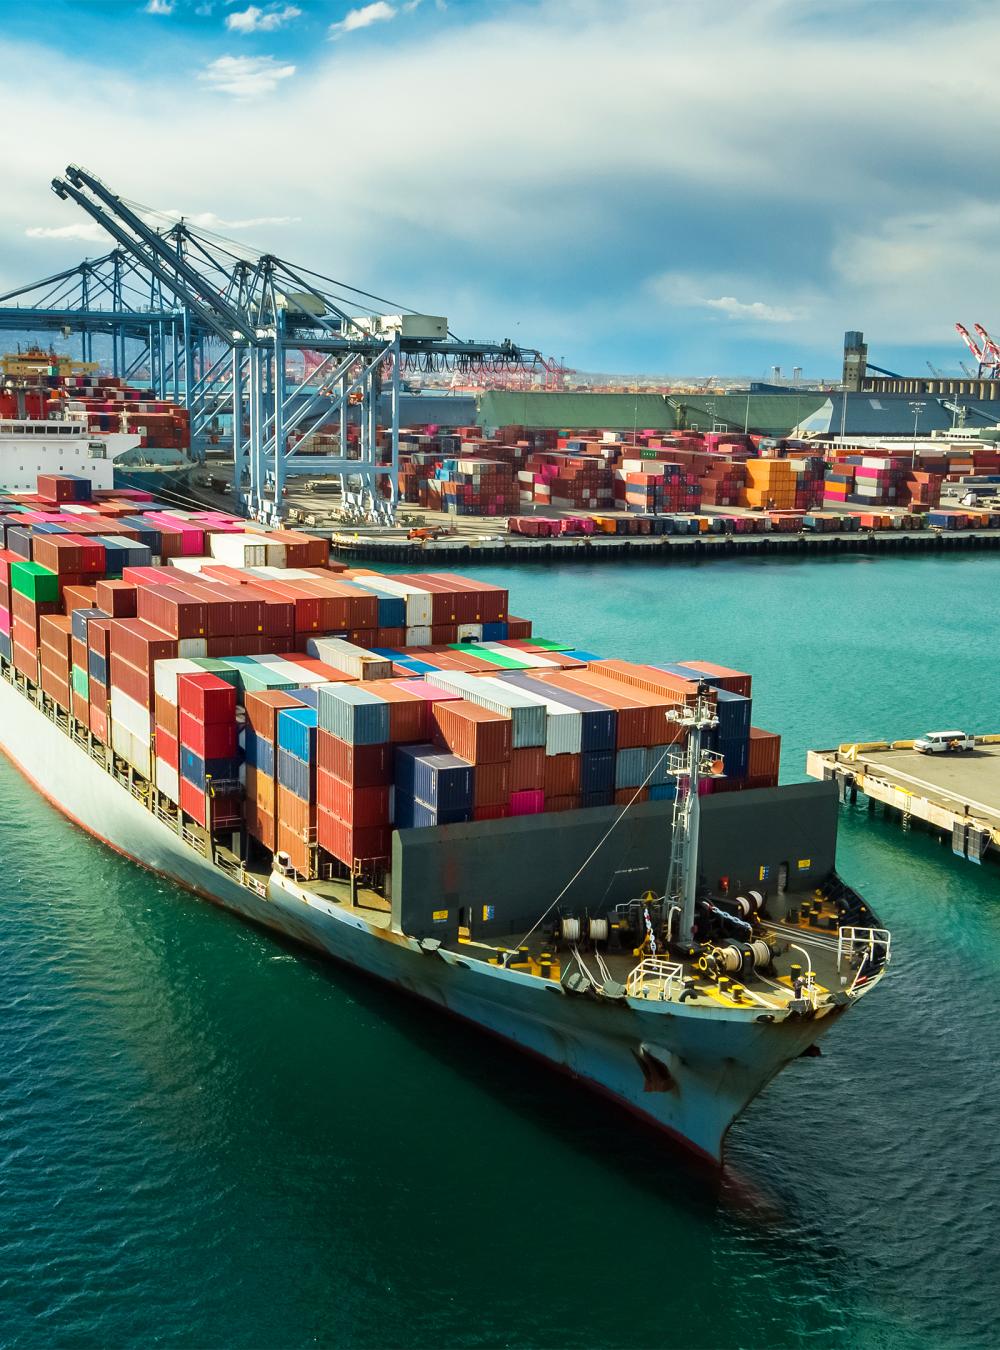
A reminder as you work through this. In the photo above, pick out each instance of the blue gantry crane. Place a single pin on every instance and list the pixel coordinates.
(214, 324)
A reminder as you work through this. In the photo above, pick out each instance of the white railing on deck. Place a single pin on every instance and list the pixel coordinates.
(854, 941)
(656, 979)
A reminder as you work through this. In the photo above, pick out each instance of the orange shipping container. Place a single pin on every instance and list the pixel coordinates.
(480, 735)
(765, 754)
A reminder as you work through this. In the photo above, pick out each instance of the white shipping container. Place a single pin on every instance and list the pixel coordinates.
(418, 637)
(168, 780)
(285, 573)
(239, 550)
(351, 659)
(127, 713)
(191, 564)
(131, 749)
(165, 676)
(418, 603)
(563, 725)
(470, 632)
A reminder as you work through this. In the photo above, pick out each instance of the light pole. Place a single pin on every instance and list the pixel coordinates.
(917, 409)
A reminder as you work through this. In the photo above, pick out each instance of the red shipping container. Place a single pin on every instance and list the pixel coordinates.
(764, 760)
(81, 708)
(625, 796)
(407, 713)
(491, 812)
(173, 611)
(117, 598)
(99, 711)
(393, 638)
(207, 698)
(140, 643)
(79, 597)
(167, 747)
(564, 803)
(359, 807)
(56, 687)
(359, 765)
(491, 784)
(562, 776)
(480, 735)
(735, 681)
(350, 845)
(56, 631)
(130, 680)
(261, 825)
(527, 769)
(25, 660)
(210, 740)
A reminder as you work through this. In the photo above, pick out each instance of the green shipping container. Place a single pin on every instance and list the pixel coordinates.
(500, 659)
(81, 682)
(36, 582)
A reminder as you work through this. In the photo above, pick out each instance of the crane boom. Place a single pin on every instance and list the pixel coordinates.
(970, 342)
(989, 346)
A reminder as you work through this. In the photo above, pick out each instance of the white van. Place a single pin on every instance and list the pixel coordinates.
(944, 742)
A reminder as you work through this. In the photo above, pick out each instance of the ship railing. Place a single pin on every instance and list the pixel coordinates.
(655, 979)
(871, 948)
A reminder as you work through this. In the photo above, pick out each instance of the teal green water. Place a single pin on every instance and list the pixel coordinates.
(209, 1139)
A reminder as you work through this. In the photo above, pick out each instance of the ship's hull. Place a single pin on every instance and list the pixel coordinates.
(686, 1070)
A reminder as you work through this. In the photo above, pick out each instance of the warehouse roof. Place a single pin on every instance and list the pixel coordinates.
(610, 411)
(893, 414)
(769, 414)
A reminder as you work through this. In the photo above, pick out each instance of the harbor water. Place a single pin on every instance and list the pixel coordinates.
(209, 1138)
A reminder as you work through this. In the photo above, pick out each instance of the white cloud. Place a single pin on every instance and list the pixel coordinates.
(160, 7)
(82, 229)
(846, 203)
(256, 20)
(756, 309)
(378, 12)
(245, 76)
(208, 220)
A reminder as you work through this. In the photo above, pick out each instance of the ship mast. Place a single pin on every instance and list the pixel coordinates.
(682, 877)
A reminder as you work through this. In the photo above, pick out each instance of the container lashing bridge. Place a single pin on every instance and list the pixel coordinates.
(217, 325)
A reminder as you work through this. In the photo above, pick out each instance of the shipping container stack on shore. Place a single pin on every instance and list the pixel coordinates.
(585, 475)
(295, 706)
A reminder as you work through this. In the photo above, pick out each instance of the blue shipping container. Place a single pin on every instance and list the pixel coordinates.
(297, 732)
(297, 776)
(409, 813)
(442, 781)
(97, 668)
(597, 771)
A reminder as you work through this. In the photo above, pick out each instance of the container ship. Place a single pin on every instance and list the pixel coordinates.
(588, 857)
(60, 415)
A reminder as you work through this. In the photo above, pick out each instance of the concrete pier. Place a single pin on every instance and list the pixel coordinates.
(957, 794)
(393, 546)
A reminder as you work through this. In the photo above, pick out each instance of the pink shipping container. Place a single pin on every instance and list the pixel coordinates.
(527, 803)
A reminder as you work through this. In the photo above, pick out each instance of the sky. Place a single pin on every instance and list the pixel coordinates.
(632, 185)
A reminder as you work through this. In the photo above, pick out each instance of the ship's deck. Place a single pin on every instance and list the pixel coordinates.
(801, 930)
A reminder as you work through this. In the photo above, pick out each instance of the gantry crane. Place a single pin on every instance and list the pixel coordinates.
(215, 322)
